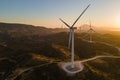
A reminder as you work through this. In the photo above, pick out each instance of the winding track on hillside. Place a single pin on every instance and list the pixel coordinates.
(21, 71)
(64, 65)
(96, 57)
(118, 48)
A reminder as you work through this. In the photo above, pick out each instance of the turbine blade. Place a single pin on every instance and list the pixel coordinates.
(80, 15)
(93, 30)
(64, 22)
(88, 30)
(70, 39)
(85, 35)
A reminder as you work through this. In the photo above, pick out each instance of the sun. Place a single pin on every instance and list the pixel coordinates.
(117, 22)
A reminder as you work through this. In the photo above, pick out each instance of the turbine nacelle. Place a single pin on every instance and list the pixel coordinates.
(73, 28)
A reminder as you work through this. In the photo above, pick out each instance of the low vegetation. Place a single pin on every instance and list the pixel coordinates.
(25, 46)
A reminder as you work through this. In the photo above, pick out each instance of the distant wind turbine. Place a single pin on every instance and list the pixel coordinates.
(90, 31)
(71, 36)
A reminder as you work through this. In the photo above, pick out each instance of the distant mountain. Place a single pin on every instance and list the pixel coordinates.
(23, 29)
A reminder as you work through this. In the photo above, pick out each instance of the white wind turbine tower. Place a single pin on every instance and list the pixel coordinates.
(71, 36)
(90, 31)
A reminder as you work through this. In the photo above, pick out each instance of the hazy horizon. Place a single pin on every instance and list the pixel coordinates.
(102, 13)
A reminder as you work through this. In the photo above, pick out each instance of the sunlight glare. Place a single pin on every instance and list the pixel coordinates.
(117, 22)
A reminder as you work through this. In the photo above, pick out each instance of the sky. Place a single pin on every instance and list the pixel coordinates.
(102, 13)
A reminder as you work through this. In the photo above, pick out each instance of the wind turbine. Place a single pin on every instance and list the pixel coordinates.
(71, 36)
(90, 31)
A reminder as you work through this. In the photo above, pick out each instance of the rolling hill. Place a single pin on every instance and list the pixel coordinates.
(24, 48)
